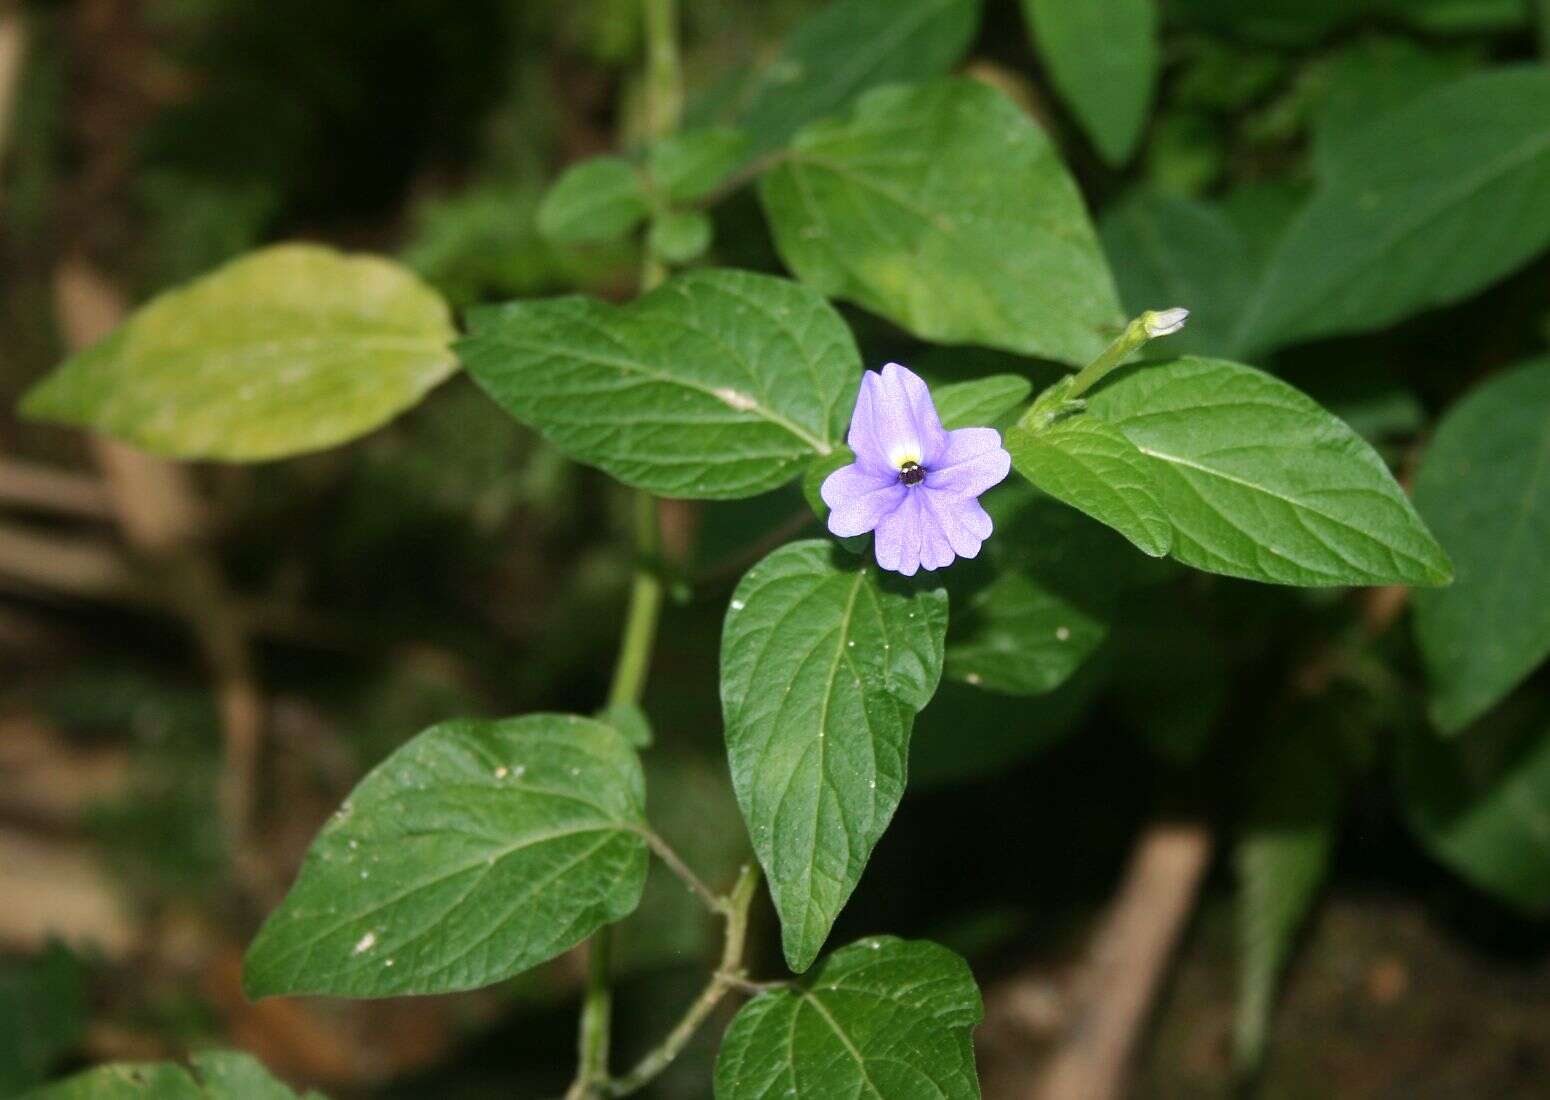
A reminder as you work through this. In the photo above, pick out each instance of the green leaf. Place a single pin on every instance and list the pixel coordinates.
(1366, 79)
(718, 384)
(946, 210)
(630, 720)
(847, 48)
(1415, 218)
(679, 236)
(688, 166)
(596, 201)
(824, 665)
(43, 1014)
(980, 401)
(1103, 59)
(1478, 804)
(1092, 466)
(1260, 482)
(1016, 636)
(211, 1075)
(1171, 251)
(477, 850)
(1037, 603)
(291, 349)
(1282, 857)
(884, 1018)
(1485, 489)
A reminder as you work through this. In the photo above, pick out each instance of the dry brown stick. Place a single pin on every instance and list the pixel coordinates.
(46, 489)
(1126, 962)
(13, 49)
(157, 507)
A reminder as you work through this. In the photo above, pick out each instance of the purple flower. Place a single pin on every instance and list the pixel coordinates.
(913, 482)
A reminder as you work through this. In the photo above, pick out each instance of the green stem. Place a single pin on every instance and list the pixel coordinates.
(664, 72)
(1065, 394)
(596, 1021)
(640, 621)
(727, 976)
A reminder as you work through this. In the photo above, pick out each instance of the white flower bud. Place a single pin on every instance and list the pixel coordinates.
(1164, 322)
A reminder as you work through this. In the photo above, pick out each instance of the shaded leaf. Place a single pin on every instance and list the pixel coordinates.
(291, 349)
(679, 236)
(1168, 251)
(848, 47)
(1017, 636)
(1260, 482)
(1281, 858)
(884, 1018)
(824, 664)
(1441, 197)
(1484, 487)
(1103, 59)
(476, 851)
(690, 165)
(42, 1015)
(596, 201)
(946, 210)
(1478, 804)
(211, 1075)
(718, 384)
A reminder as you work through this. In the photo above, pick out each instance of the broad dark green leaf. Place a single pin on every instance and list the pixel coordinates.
(1300, 22)
(1295, 784)
(882, 1019)
(1368, 78)
(980, 401)
(1017, 636)
(1171, 251)
(1035, 606)
(847, 48)
(718, 384)
(291, 349)
(1260, 482)
(1103, 59)
(945, 209)
(1092, 466)
(596, 201)
(43, 1013)
(1440, 198)
(1479, 805)
(690, 165)
(477, 850)
(1485, 489)
(824, 664)
(210, 1075)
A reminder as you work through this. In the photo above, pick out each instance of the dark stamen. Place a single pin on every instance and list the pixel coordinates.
(912, 473)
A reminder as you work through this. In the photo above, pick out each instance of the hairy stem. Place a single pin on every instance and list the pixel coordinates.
(727, 976)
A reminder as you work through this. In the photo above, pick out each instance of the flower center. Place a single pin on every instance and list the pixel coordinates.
(912, 473)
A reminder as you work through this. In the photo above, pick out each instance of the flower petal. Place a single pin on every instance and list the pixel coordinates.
(909, 389)
(868, 431)
(972, 461)
(963, 520)
(898, 537)
(859, 498)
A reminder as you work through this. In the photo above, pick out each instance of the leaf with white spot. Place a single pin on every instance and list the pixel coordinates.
(474, 852)
(719, 384)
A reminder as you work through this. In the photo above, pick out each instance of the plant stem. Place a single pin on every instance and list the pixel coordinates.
(713, 901)
(664, 73)
(640, 622)
(596, 1020)
(727, 976)
(1135, 336)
